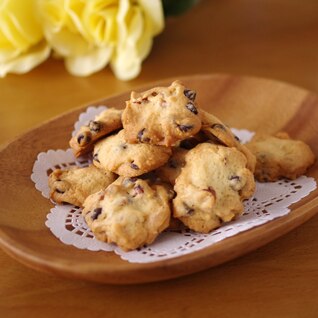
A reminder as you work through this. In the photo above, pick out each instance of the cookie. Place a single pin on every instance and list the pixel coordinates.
(161, 116)
(220, 133)
(280, 157)
(76, 184)
(103, 124)
(171, 170)
(130, 160)
(211, 187)
(131, 212)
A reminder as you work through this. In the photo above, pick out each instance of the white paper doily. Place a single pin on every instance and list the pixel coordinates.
(270, 201)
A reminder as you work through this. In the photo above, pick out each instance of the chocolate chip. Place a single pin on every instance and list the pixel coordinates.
(154, 94)
(123, 146)
(134, 166)
(139, 189)
(141, 137)
(234, 178)
(190, 94)
(173, 163)
(127, 181)
(189, 143)
(59, 191)
(185, 128)
(192, 108)
(94, 126)
(141, 101)
(80, 138)
(96, 213)
(189, 210)
(95, 157)
(86, 139)
(237, 138)
(218, 126)
(140, 133)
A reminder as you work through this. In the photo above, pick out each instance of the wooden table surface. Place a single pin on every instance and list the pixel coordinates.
(267, 38)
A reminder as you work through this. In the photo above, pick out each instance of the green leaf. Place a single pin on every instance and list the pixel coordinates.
(177, 7)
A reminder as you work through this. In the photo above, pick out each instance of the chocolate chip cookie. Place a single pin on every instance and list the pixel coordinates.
(211, 187)
(76, 184)
(170, 171)
(162, 115)
(131, 212)
(280, 157)
(218, 132)
(106, 122)
(130, 160)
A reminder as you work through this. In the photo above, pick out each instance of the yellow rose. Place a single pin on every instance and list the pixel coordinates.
(89, 34)
(70, 28)
(138, 22)
(21, 39)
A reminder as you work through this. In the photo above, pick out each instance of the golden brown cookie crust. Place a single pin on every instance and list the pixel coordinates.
(106, 122)
(76, 184)
(131, 212)
(130, 160)
(211, 187)
(162, 115)
(280, 157)
(218, 132)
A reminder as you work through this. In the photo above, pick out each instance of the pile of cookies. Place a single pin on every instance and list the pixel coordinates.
(164, 160)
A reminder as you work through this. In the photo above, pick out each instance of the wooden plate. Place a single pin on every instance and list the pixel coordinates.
(242, 102)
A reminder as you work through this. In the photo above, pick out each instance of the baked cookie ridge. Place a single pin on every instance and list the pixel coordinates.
(131, 212)
(103, 124)
(211, 187)
(279, 156)
(162, 115)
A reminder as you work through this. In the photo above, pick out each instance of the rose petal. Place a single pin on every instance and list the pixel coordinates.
(126, 64)
(144, 43)
(66, 43)
(27, 61)
(154, 12)
(135, 26)
(21, 19)
(11, 34)
(87, 64)
(99, 19)
(74, 10)
(52, 14)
